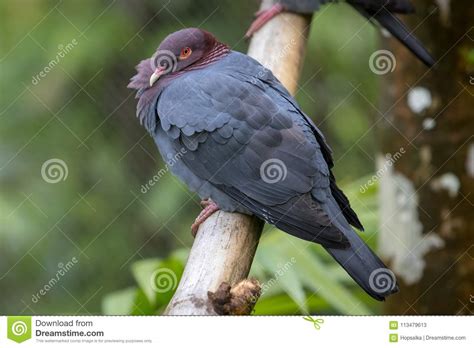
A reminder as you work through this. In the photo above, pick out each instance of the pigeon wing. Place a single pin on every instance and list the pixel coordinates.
(247, 140)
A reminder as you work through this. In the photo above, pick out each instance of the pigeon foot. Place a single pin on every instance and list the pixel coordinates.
(263, 16)
(209, 208)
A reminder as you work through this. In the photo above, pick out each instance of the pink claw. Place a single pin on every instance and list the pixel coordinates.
(209, 208)
(263, 16)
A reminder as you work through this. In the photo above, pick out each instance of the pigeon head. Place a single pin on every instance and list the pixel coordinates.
(181, 51)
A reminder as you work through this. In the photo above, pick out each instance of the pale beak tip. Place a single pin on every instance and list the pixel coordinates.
(153, 78)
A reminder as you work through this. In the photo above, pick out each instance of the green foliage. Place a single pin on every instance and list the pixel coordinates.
(131, 301)
(308, 272)
(156, 282)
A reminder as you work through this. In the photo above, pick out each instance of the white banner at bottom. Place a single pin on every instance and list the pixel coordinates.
(229, 332)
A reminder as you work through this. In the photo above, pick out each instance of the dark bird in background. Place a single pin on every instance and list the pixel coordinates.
(379, 11)
(240, 140)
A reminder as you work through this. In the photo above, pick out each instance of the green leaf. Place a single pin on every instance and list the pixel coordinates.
(282, 304)
(130, 301)
(166, 280)
(181, 255)
(315, 276)
(277, 261)
(143, 273)
(293, 266)
(142, 306)
(158, 278)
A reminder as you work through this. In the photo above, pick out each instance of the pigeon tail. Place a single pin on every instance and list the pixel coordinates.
(360, 262)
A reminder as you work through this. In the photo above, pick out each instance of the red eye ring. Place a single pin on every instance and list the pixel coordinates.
(185, 53)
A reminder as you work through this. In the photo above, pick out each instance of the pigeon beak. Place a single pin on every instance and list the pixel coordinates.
(156, 75)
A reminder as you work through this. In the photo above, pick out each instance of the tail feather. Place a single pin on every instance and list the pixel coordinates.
(390, 22)
(360, 262)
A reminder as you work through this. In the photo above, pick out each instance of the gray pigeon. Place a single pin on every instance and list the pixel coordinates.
(234, 134)
(380, 11)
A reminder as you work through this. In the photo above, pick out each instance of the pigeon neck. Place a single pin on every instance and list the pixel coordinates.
(218, 51)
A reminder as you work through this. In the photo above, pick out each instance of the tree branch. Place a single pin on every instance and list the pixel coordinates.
(225, 244)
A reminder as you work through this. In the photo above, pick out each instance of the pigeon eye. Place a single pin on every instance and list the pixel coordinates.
(185, 53)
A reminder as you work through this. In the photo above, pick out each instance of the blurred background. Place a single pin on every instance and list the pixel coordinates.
(81, 233)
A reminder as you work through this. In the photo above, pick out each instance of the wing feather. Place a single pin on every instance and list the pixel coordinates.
(229, 141)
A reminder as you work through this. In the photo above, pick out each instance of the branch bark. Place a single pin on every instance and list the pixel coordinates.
(225, 244)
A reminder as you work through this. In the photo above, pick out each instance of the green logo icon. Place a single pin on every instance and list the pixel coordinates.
(393, 338)
(316, 322)
(19, 328)
(393, 325)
